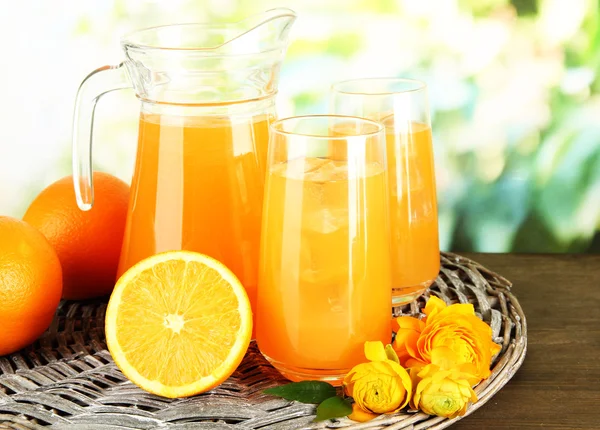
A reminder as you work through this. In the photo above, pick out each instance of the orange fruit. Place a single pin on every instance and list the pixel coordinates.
(178, 323)
(88, 244)
(30, 284)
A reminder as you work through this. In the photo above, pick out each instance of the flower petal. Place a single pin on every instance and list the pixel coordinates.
(460, 309)
(495, 348)
(411, 323)
(357, 372)
(405, 344)
(391, 354)
(433, 306)
(360, 415)
(348, 388)
(473, 396)
(444, 357)
(383, 367)
(405, 378)
(413, 362)
(374, 351)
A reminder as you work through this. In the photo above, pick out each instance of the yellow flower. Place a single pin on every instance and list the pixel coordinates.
(380, 386)
(443, 392)
(455, 329)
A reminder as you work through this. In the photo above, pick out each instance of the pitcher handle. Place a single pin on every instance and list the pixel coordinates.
(95, 85)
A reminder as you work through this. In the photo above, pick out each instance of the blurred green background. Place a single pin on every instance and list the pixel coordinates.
(514, 92)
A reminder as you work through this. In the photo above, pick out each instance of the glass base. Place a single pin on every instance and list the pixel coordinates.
(297, 374)
(404, 295)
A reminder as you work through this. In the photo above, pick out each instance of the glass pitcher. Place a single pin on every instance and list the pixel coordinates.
(207, 97)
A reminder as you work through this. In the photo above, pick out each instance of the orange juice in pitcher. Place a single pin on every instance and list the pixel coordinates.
(207, 97)
(200, 180)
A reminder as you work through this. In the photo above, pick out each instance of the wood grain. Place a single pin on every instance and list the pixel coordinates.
(558, 386)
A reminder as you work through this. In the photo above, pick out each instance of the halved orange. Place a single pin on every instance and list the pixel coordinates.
(178, 323)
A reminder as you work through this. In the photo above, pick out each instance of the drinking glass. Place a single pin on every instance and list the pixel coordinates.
(324, 271)
(401, 106)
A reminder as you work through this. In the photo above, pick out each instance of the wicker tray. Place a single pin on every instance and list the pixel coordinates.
(68, 380)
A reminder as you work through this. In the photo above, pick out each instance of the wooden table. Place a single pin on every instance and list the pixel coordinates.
(558, 386)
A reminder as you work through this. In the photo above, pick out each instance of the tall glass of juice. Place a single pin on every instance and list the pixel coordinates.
(402, 106)
(324, 271)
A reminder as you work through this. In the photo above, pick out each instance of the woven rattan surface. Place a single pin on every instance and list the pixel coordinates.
(68, 380)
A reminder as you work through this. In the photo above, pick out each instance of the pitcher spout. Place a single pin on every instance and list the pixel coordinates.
(209, 63)
(264, 32)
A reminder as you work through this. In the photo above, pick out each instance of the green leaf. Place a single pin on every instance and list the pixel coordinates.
(305, 391)
(334, 407)
(391, 354)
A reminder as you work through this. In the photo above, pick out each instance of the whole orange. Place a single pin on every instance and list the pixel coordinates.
(88, 244)
(30, 284)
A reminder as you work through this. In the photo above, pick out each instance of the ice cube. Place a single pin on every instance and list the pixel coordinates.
(326, 220)
(340, 170)
(326, 170)
(321, 171)
(324, 275)
(305, 168)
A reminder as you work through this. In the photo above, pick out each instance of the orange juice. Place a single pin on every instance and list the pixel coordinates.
(325, 285)
(413, 207)
(198, 186)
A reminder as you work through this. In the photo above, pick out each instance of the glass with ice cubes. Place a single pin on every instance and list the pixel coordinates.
(324, 280)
